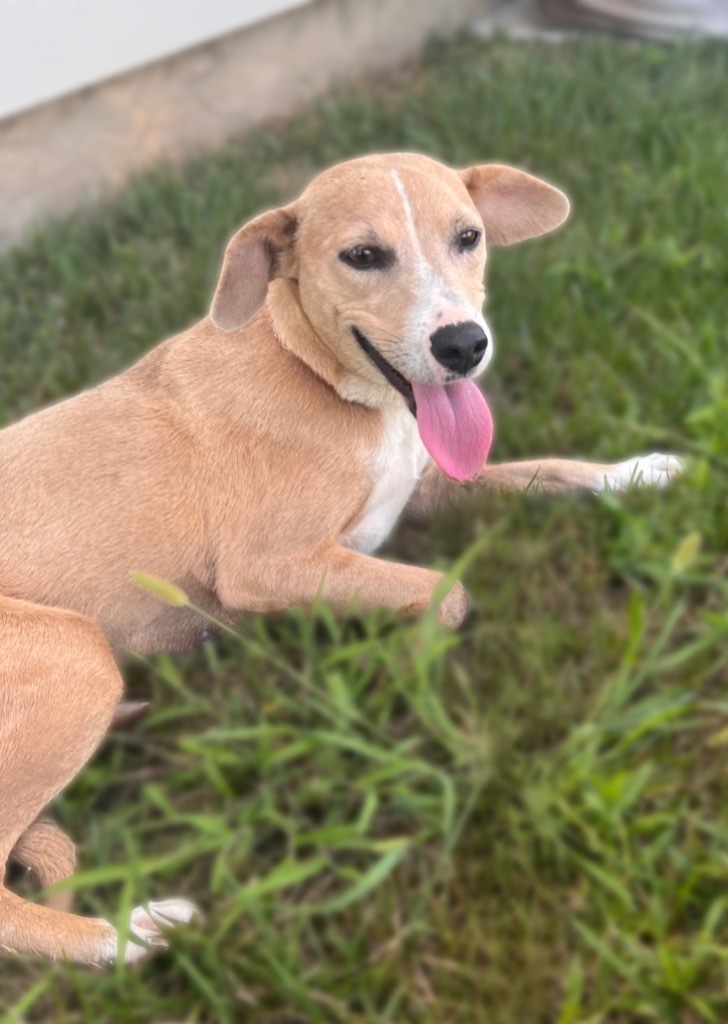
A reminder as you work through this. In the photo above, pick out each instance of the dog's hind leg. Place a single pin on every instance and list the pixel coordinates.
(45, 850)
(59, 686)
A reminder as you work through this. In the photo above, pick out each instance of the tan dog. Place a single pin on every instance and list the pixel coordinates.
(255, 460)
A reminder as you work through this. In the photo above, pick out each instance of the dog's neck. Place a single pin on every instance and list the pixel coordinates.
(295, 332)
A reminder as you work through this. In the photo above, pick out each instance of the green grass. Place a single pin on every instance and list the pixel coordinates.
(527, 822)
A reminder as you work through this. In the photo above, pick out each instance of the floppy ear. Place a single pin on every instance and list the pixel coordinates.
(514, 205)
(258, 252)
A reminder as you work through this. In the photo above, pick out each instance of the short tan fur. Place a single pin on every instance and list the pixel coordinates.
(256, 460)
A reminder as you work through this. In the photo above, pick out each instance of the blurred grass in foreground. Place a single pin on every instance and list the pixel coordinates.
(524, 823)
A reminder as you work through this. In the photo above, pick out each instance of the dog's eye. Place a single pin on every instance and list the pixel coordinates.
(366, 257)
(468, 239)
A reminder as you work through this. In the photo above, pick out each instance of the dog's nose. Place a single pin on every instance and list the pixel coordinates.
(459, 347)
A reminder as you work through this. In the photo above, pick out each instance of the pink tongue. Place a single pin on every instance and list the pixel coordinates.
(455, 425)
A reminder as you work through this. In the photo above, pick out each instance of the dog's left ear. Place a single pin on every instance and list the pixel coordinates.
(514, 205)
(258, 252)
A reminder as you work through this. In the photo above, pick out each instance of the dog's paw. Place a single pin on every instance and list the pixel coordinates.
(144, 927)
(655, 470)
(453, 609)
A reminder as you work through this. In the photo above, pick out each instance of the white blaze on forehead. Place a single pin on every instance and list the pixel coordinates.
(421, 310)
(422, 264)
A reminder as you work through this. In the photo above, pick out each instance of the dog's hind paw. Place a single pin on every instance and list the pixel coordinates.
(144, 927)
(453, 609)
(655, 470)
(127, 711)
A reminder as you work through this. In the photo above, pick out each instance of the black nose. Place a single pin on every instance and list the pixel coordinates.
(459, 347)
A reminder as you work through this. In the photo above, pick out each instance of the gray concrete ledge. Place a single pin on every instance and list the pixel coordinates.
(68, 152)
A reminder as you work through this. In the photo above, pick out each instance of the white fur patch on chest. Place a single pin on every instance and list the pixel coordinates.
(395, 468)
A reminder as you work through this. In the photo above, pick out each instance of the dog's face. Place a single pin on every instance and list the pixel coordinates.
(388, 253)
(391, 260)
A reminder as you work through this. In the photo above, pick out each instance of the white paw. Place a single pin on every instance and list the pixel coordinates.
(655, 470)
(144, 930)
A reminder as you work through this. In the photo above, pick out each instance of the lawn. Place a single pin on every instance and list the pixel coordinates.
(524, 823)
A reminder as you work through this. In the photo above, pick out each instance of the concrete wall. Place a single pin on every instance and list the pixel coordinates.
(66, 152)
(49, 48)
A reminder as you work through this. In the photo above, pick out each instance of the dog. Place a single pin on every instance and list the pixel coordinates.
(256, 461)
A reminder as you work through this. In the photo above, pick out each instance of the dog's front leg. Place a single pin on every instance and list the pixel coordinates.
(437, 491)
(345, 579)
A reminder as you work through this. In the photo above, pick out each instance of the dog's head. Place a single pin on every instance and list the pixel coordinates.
(388, 253)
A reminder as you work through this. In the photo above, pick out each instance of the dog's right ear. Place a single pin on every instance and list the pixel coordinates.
(258, 252)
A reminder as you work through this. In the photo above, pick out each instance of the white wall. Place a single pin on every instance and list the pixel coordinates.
(52, 47)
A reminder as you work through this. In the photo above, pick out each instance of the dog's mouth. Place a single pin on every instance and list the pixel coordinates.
(454, 420)
(386, 369)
